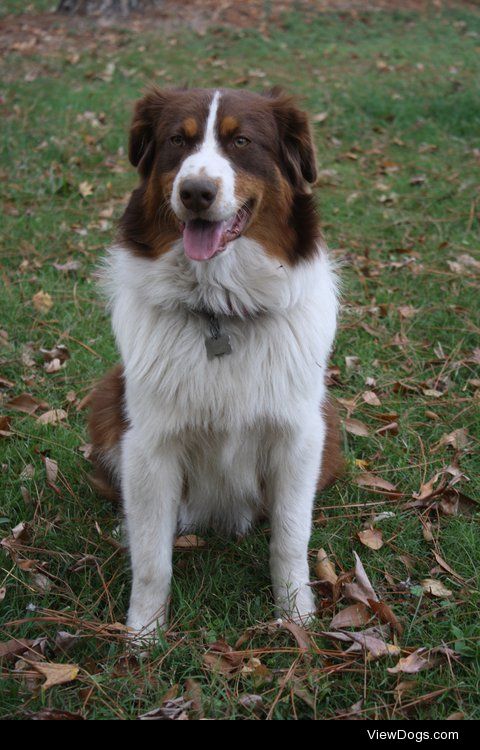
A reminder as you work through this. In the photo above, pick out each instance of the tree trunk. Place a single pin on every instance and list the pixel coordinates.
(106, 7)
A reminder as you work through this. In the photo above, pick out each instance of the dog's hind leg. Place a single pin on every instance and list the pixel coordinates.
(107, 423)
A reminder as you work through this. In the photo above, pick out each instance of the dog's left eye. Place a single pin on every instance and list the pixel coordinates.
(241, 141)
(177, 140)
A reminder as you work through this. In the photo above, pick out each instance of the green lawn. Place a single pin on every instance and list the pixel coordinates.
(399, 154)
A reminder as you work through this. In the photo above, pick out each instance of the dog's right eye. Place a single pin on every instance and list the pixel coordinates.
(177, 140)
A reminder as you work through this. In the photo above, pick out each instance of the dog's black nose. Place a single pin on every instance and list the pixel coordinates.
(198, 195)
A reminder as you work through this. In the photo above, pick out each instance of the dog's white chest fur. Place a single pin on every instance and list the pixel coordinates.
(225, 415)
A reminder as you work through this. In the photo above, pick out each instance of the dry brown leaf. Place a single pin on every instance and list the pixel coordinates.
(362, 590)
(371, 641)
(85, 189)
(407, 311)
(353, 616)
(22, 532)
(14, 647)
(172, 709)
(371, 538)
(222, 659)
(371, 398)
(386, 615)
(53, 714)
(324, 568)
(42, 301)
(59, 352)
(371, 481)
(51, 469)
(26, 404)
(411, 664)
(435, 588)
(446, 566)
(356, 427)
(55, 674)
(389, 429)
(301, 636)
(5, 427)
(54, 416)
(189, 541)
(458, 439)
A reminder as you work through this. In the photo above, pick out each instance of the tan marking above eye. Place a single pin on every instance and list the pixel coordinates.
(190, 127)
(228, 126)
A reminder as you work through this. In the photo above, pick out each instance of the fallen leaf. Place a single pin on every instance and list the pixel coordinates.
(175, 709)
(68, 267)
(51, 469)
(353, 616)
(458, 439)
(221, 659)
(407, 311)
(52, 417)
(42, 301)
(324, 569)
(386, 615)
(251, 701)
(14, 647)
(411, 664)
(22, 532)
(370, 397)
(189, 541)
(371, 538)
(301, 636)
(85, 189)
(371, 641)
(55, 674)
(53, 714)
(356, 427)
(435, 588)
(362, 590)
(445, 566)
(26, 404)
(390, 428)
(352, 362)
(375, 483)
(5, 427)
(60, 352)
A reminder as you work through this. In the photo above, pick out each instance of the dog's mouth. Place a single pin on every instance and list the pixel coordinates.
(203, 239)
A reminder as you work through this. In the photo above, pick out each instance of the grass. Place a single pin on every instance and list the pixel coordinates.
(399, 153)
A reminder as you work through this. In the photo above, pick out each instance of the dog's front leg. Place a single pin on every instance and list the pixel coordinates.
(295, 464)
(151, 488)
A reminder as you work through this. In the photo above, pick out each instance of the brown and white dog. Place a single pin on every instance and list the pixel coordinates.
(224, 309)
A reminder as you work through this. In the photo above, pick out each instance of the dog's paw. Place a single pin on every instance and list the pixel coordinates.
(144, 631)
(298, 607)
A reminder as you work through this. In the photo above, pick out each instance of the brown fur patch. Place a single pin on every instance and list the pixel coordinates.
(107, 423)
(228, 126)
(190, 127)
(333, 462)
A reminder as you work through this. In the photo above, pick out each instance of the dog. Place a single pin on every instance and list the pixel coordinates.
(224, 305)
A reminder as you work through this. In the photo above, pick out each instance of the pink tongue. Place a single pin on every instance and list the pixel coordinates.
(202, 239)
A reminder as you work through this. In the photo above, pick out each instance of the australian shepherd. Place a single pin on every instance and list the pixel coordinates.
(224, 307)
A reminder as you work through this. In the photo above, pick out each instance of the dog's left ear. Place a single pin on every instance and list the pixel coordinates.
(296, 140)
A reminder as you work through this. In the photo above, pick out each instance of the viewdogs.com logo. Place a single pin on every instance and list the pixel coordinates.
(404, 734)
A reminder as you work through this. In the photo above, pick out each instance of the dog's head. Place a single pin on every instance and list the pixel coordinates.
(218, 164)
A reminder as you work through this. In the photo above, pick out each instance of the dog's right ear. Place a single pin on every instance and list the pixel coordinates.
(141, 147)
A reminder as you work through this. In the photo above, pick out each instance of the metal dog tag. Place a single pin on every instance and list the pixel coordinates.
(217, 347)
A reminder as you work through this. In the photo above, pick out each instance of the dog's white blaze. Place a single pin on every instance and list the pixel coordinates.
(208, 161)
